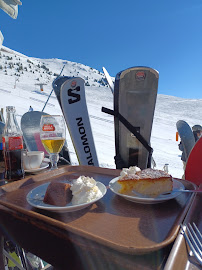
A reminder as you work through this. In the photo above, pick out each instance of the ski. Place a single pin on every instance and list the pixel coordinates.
(186, 136)
(57, 84)
(30, 126)
(70, 92)
(135, 93)
(109, 79)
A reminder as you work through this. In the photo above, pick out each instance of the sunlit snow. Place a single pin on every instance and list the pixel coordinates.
(19, 76)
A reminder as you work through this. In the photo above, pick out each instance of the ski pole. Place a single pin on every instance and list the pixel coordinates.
(52, 89)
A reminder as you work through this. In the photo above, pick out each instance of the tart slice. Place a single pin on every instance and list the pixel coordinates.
(147, 182)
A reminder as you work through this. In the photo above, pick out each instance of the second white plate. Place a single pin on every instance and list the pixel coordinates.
(115, 187)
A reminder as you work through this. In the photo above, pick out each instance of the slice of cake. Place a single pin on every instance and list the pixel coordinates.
(58, 194)
(147, 182)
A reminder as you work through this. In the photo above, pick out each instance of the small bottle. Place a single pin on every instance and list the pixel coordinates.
(12, 147)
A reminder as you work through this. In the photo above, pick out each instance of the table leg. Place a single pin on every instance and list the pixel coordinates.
(1, 252)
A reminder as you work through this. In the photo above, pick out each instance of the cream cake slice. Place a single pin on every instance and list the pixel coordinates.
(147, 182)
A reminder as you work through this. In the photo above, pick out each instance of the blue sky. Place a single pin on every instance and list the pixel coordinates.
(164, 35)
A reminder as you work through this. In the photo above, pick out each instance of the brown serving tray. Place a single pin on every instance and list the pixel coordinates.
(179, 257)
(114, 222)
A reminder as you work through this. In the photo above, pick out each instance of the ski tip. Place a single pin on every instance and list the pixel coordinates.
(109, 80)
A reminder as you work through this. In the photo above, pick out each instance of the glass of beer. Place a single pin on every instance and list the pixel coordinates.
(52, 135)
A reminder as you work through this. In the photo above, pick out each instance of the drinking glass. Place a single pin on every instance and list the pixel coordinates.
(52, 135)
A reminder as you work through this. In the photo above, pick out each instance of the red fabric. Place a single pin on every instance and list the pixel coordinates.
(193, 171)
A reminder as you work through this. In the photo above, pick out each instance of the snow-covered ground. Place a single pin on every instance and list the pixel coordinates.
(19, 79)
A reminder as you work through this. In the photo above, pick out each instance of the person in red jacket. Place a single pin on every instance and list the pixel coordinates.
(197, 131)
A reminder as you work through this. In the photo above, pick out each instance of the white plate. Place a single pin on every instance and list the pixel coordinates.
(43, 166)
(36, 195)
(115, 187)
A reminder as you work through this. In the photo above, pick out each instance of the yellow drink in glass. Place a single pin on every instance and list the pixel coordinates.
(53, 134)
(53, 145)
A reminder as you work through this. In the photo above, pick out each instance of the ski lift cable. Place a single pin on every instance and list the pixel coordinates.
(52, 89)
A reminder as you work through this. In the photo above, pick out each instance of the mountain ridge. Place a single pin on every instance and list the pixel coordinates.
(16, 64)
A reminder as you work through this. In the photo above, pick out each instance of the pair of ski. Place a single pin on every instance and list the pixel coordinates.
(135, 94)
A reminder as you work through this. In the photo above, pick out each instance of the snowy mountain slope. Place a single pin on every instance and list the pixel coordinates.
(45, 70)
(19, 75)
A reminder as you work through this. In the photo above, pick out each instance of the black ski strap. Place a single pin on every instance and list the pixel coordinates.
(131, 128)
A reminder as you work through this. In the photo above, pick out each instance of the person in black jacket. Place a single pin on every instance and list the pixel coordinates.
(30, 109)
(197, 131)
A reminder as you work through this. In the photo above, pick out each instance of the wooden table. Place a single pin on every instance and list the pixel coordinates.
(64, 248)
